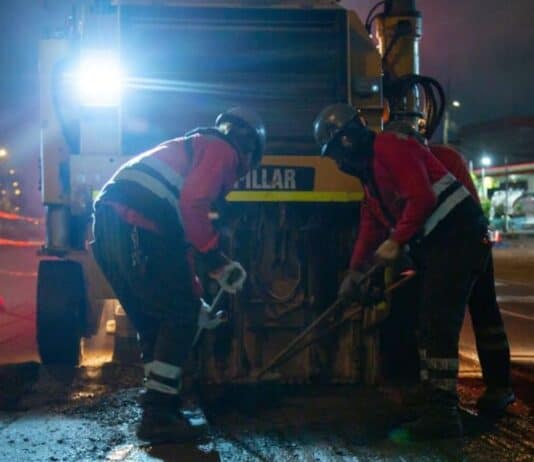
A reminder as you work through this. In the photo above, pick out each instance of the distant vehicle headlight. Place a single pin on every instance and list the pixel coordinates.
(99, 79)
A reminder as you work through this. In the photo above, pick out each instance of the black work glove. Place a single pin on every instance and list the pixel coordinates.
(350, 286)
(362, 288)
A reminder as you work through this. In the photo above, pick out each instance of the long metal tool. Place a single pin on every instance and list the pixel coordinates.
(205, 320)
(340, 302)
(293, 348)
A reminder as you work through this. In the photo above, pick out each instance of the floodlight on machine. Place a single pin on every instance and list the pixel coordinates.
(99, 79)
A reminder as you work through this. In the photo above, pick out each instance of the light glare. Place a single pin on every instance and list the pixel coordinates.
(485, 161)
(99, 80)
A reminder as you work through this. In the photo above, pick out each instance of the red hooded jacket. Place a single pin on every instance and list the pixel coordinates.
(402, 198)
(455, 163)
(208, 175)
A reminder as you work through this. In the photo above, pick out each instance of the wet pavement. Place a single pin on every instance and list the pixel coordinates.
(514, 269)
(90, 413)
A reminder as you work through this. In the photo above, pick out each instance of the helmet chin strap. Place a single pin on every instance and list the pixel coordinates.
(360, 168)
(353, 152)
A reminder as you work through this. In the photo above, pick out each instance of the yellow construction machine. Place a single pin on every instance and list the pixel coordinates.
(122, 76)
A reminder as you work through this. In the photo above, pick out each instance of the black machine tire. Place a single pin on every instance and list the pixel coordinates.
(61, 310)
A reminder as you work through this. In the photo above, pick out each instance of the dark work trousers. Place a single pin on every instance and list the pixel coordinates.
(450, 261)
(152, 279)
(492, 343)
(400, 347)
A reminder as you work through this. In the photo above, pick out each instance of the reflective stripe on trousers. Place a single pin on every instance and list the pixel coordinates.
(163, 377)
(440, 373)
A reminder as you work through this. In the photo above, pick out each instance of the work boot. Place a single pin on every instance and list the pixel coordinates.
(162, 420)
(495, 400)
(440, 419)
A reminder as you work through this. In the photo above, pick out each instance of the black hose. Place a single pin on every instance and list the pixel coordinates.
(370, 19)
(434, 98)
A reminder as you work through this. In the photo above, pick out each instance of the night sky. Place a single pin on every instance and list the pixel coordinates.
(481, 49)
(484, 48)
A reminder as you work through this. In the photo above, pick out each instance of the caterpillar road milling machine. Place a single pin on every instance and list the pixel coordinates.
(123, 76)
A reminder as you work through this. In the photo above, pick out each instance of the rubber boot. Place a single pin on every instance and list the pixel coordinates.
(495, 400)
(162, 420)
(440, 418)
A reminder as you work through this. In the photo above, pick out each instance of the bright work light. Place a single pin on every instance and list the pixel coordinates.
(99, 79)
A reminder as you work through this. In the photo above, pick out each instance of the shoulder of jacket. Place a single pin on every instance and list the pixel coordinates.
(385, 136)
(216, 146)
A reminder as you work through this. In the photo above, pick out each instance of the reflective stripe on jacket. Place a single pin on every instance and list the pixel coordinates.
(411, 194)
(175, 187)
(450, 193)
(455, 164)
(155, 176)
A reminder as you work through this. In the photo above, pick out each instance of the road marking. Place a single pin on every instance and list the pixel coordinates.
(515, 298)
(507, 282)
(30, 274)
(13, 243)
(518, 315)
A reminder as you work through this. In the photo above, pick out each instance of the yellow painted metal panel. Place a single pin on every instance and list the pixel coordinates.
(294, 196)
(330, 184)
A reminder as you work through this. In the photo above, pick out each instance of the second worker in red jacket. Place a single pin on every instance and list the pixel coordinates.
(490, 334)
(412, 200)
(491, 339)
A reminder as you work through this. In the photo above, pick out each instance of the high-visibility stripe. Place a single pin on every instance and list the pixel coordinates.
(164, 170)
(165, 371)
(442, 364)
(151, 184)
(147, 367)
(152, 384)
(294, 196)
(443, 183)
(169, 371)
(445, 208)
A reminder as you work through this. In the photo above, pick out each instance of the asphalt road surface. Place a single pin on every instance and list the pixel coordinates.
(90, 414)
(514, 268)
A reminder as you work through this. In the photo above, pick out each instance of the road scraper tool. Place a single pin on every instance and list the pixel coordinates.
(368, 308)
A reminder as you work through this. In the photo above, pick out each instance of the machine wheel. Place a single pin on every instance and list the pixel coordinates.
(61, 309)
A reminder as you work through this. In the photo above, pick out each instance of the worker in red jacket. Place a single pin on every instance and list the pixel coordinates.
(147, 217)
(491, 339)
(412, 200)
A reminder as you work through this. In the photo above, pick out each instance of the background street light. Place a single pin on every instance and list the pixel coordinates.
(447, 119)
(3, 153)
(485, 161)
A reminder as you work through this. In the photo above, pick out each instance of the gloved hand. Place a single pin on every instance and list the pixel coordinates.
(198, 290)
(230, 277)
(350, 287)
(388, 251)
